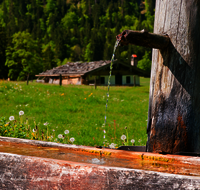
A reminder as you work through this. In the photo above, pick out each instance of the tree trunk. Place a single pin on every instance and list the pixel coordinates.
(174, 99)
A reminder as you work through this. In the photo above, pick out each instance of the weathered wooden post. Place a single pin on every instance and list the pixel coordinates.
(60, 80)
(174, 99)
(95, 82)
(27, 79)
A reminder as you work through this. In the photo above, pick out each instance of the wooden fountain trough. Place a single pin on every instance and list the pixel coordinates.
(173, 123)
(29, 164)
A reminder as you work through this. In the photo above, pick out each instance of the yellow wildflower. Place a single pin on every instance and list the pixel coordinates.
(62, 94)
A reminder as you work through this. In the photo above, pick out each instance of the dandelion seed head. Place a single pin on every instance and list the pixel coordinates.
(112, 145)
(72, 139)
(132, 141)
(11, 118)
(66, 131)
(60, 136)
(21, 113)
(123, 137)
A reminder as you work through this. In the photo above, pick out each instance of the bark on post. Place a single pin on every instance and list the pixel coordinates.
(174, 99)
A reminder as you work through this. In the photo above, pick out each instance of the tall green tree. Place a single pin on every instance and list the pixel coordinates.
(22, 57)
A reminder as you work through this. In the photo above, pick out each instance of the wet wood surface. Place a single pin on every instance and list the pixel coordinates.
(22, 172)
(44, 165)
(174, 101)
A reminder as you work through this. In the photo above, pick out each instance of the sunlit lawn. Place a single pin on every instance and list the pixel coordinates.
(79, 109)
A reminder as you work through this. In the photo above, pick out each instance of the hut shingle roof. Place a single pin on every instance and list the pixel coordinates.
(75, 68)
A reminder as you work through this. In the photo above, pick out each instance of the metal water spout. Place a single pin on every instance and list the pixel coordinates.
(143, 38)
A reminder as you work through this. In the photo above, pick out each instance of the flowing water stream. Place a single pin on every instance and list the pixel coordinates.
(110, 74)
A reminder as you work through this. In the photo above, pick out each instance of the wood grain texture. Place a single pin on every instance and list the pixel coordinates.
(24, 172)
(174, 100)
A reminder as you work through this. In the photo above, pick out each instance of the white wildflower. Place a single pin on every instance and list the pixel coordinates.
(34, 130)
(21, 113)
(46, 123)
(53, 130)
(104, 136)
(66, 131)
(60, 136)
(11, 118)
(72, 139)
(123, 137)
(132, 141)
(104, 131)
(112, 145)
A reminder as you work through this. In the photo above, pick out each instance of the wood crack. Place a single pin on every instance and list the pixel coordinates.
(178, 21)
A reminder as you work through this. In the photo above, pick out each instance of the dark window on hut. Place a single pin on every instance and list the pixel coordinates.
(128, 80)
(102, 80)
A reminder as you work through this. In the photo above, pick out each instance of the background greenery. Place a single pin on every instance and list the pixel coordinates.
(36, 35)
(79, 109)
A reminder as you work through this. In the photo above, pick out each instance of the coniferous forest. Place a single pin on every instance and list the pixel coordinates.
(36, 35)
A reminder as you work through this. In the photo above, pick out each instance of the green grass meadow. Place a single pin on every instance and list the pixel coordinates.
(79, 109)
